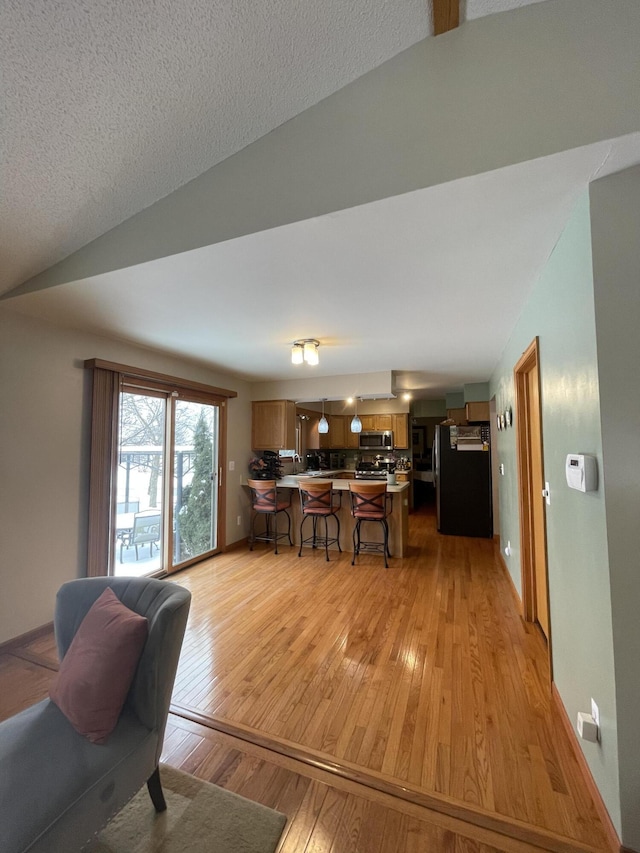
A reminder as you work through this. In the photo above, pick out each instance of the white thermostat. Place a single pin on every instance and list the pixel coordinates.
(582, 472)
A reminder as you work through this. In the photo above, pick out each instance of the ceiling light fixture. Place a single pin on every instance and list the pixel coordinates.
(356, 423)
(323, 423)
(305, 350)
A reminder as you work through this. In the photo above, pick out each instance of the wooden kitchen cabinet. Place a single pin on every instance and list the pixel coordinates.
(335, 439)
(352, 438)
(400, 426)
(324, 438)
(477, 412)
(340, 436)
(337, 431)
(406, 477)
(376, 423)
(459, 416)
(273, 425)
(384, 422)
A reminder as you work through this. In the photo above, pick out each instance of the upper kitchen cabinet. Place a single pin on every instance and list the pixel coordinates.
(400, 426)
(352, 438)
(368, 423)
(477, 412)
(458, 416)
(376, 423)
(337, 431)
(273, 425)
(336, 437)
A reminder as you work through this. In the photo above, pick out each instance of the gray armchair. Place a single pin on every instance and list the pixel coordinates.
(56, 787)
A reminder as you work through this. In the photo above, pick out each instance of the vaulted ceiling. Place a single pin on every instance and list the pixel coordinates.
(110, 106)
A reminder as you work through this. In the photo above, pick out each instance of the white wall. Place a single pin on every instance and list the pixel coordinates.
(44, 457)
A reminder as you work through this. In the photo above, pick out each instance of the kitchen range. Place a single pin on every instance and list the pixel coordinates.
(378, 469)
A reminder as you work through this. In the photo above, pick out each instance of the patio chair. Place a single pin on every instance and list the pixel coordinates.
(145, 530)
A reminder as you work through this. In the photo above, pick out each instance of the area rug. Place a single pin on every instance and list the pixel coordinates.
(200, 818)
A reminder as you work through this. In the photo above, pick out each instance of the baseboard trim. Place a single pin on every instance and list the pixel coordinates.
(235, 546)
(603, 814)
(514, 591)
(510, 827)
(10, 646)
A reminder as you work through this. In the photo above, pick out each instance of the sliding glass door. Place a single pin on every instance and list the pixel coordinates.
(195, 479)
(166, 481)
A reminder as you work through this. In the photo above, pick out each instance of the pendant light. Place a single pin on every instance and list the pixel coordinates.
(356, 423)
(323, 423)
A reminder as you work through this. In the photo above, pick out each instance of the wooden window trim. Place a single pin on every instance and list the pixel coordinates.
(169, 383)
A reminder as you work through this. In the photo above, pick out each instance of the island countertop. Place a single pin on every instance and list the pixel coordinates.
(398, 520)
(292, 481)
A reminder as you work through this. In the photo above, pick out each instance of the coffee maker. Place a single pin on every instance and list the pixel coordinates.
(312, 461)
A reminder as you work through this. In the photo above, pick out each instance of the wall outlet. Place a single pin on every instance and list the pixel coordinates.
(595, 713)
(507, 550)
(587, 728)
(239, 520)
(501, 469)
(232, 466)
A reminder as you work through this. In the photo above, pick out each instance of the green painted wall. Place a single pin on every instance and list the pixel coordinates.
(455, 400)
(476, 392)
(560, 311)
(429, 409)
(615, 228)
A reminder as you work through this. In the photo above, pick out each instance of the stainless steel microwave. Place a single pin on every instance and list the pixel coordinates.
(378, 440)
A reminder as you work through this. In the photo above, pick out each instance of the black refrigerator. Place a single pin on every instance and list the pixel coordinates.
(462, 478)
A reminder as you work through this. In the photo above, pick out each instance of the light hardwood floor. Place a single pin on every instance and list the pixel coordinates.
(420, 681)
(326, 814)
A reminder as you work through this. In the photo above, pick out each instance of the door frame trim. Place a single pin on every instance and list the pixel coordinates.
(529, 359)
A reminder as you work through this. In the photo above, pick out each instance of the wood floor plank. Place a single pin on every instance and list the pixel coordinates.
(23, 683)
(423, 673)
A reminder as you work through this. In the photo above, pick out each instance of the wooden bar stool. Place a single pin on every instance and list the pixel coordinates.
(267, 501)
(370, 501)
(317, 500)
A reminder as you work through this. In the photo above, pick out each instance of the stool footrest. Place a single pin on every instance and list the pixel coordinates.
(316, 540)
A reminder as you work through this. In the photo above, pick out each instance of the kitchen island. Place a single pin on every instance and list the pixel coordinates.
(398, 520)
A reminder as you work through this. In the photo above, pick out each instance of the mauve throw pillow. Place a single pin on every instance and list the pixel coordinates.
(98, 668)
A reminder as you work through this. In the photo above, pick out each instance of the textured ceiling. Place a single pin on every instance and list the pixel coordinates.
(382, 285)
(109, 105)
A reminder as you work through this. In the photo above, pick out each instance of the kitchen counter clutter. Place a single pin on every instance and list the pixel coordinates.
(398, 520)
